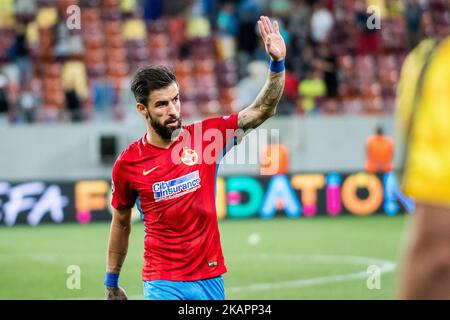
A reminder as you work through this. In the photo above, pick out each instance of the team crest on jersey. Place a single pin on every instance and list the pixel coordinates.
(189, 157)
(164, 190)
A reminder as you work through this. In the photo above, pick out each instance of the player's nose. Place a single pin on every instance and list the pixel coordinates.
(172, 110)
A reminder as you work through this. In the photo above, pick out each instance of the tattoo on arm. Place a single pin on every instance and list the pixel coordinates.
(265, 104)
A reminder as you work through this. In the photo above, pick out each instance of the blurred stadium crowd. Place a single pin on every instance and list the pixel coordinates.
(53, 71)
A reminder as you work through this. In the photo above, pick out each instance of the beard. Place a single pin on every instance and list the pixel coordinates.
(163, 130)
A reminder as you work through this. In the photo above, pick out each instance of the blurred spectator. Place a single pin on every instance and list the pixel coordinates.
(310, 90)
(28, 104)
(47, 17)
(413, 17)
(226, 48)
(104, 98)
(394, 8)
(380, 151)
(20, 55)
(125, 99)
(128, 6)
(299, 14)
(66, 44)
(280, 8)
(171, 8)
(153, 9)
(211, 9)
(298, 26)
(380, 5)
(198, 26)
(307, 60)
(74, 83)
(327, 63)
(227, 22)
(249, 12)
(74, 77)
(291, 86)
(260, 52)
(290, 94)
(4, 98)
(284, 31)
(249, 87)
(321, 23)
(73, 105)
(134, 29)
(7, 13)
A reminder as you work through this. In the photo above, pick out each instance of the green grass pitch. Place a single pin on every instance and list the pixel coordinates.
(306, 258)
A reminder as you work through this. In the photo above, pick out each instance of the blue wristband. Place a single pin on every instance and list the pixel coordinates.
(112, 280)
(276, 66)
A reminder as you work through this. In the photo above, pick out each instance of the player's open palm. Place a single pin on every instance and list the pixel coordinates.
(272, 38)
(115, 293)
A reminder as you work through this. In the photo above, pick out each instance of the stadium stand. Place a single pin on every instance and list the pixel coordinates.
(337, 64)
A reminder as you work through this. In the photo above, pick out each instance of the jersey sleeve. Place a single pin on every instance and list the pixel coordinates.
(226, 128)
(427, 174)
(123, 196)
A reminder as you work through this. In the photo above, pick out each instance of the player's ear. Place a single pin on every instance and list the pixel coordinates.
(142, 109)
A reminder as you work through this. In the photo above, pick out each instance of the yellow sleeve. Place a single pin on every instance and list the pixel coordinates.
(407, 86)
(427, 169)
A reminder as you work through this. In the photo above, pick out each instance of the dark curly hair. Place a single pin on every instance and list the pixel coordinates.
(150, 78)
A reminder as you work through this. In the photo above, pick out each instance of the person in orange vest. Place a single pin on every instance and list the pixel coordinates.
(380, 151)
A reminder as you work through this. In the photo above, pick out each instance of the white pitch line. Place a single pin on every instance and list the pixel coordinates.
(386, 266)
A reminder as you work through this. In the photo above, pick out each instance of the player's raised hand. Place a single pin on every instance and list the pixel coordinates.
(272, 38)
(115, 293)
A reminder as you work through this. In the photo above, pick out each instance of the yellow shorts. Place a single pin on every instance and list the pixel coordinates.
(427, 163)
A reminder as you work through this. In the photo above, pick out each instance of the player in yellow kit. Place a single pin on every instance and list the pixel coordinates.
(423, 120)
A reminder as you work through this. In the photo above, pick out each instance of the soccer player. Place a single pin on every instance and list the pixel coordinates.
(173, 176)
(423, 119)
